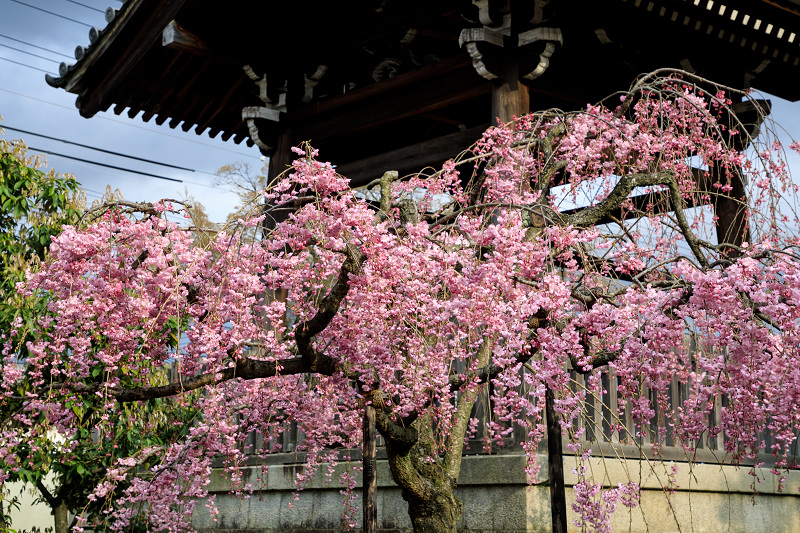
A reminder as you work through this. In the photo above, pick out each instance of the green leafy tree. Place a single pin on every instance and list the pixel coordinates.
(34, 205)
(65, 468)
(248, 185)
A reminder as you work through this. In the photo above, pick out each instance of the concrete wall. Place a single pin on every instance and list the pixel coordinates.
(497, 498)
(28, 514)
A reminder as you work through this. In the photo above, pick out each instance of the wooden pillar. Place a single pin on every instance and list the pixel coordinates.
(510, 99)
(279, 161)
(555, 466)
(509, 95)
(370, 479)
(731, 209)
(283, 156)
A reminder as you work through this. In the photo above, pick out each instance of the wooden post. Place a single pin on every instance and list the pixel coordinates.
(510, 96)
(370, 480)
(730, 209)
(283, 156)
(280, 159)
(555, 466)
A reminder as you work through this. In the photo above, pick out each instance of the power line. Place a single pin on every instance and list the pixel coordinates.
(54, 14)
(24, 65)
(98, 149)
(105, 165)
(87, 7)
(29, 53)
(92, 191)
(124, 123)
(123, 155)
(35, 46)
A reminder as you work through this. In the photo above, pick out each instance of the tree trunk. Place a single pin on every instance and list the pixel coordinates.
(432, 504)
(439, 514)
(61, 514)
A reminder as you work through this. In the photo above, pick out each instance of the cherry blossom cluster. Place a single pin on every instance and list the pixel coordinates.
(492, 276)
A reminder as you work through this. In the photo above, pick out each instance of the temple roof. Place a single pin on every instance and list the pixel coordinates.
(375, 70)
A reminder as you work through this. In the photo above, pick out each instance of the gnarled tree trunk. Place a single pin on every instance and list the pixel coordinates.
(427, 487)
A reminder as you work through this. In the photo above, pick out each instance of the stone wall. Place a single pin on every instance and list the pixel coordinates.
(498, 498)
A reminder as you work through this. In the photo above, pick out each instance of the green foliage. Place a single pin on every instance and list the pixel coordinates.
(64, 468)
(34, 205)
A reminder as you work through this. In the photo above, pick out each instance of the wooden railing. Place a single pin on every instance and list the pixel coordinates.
(606, 421)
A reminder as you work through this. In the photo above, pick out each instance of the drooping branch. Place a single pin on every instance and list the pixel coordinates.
(329, 305)
(310, 360)
(590, 215)
(551, 165)
(244, 368)
(490, 370)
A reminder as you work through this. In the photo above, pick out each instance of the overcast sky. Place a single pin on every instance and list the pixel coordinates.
(28, 103)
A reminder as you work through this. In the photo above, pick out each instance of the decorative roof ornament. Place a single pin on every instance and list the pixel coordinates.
(500, 37)
(274, 104)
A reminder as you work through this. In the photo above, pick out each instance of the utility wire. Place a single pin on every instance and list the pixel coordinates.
(34, 46)
(105, 165)
(100, 149)
(87, 7)
(30, 53)
(51, 13)
(122, 155)
(124, 123)
(24, 65)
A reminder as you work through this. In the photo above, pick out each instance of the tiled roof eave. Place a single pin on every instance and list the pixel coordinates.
(99, 41)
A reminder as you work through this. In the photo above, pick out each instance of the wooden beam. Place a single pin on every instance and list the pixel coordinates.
(176, 37)
(435, 93)
(408, 158)
(179, 38)
(376, 89)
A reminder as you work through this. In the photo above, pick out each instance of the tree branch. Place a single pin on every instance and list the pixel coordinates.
(402, 437)
(455, 441)
(244, 368)
(491, 370)
(306, 331)
(590, 215)
(49, 498)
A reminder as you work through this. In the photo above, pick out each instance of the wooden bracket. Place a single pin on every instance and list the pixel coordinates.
(311, 81)
(551, 37)
(491, 13)
(274, 105)
(249, 116)
(479, 43)
(273, 98)
(492, 46)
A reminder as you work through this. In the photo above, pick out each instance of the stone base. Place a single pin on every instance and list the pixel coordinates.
(498, 498)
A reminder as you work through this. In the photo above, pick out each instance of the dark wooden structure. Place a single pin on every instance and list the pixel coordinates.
(381, 83)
